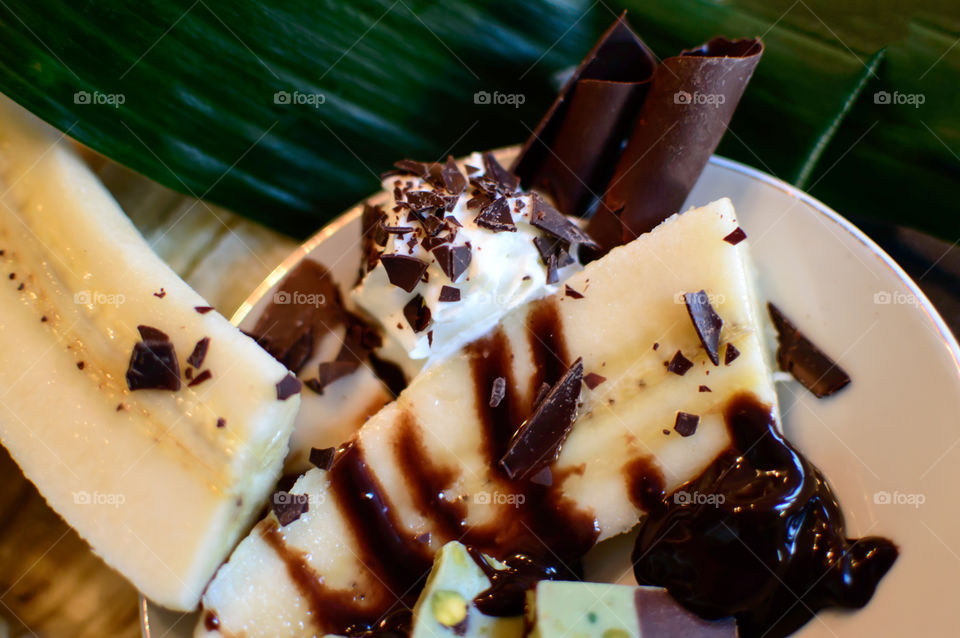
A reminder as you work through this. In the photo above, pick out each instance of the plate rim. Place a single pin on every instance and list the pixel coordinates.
(944, 333)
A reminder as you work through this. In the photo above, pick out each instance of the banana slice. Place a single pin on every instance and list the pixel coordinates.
(161, 483)
(425, 469)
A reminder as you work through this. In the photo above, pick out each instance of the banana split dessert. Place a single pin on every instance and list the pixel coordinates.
(541, 351)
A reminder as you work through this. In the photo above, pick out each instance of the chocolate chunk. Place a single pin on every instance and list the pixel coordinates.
(161, 294)
(153, 366)
(656, 346)
(537, 443)
(152, 334)
(322, 457)
(403, 271)
(431, 243)
(704, 388)
(543, 477)
(413, 167)
(199, 353)
(497, 391)
(551, 246)
(188, 373)
(314, 384)
(807, 363)
(453, 179)
(432, 225)
(496, 217)
(593, 379)
(453, 261)
(507, 181)
(453, 220)
(221, 422)
(551, 221)
(552, 275)
(735, 237)
(449, 294)
(479, 201)
(289, 507)
(679, 364)
(81, 365)
(287, 387)
(706, 322)
(417, 314)
(730, 355)
(424, 200)
(330, 371)
(573, 294)
(200, 378)
(203, 309)
(686, 423)
(398, 230)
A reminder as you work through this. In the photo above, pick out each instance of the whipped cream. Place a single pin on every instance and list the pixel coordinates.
(479, 245)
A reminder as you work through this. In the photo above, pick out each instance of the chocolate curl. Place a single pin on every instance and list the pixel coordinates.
(571, 154)
(685, 113)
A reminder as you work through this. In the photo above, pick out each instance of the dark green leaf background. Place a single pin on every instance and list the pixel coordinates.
(198, 81)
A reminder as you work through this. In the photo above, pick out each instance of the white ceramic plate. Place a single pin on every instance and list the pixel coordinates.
(889, 443)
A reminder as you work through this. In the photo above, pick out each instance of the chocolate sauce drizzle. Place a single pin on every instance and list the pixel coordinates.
(773, 552)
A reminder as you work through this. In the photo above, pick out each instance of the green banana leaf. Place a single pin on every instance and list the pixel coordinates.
(286, 112)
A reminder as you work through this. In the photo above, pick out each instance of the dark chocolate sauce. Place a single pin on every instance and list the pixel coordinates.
(508, 587)
(211, 621)
(773, 552)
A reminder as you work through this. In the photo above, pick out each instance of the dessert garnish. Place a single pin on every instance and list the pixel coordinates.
(679, 364)
(153, 362)
(808, 364)
(686, 423)
(706, 321)
(735, 237)
(289, 507)
(592, 379)
(730, 354)
(323, 458)
(287, 387)
(199, 353)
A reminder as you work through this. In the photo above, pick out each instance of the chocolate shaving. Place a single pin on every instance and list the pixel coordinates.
(541, 393)
(200, 378)
(679, 364)
(161, 294)
(505, 180)
(538, 440)
(203, 309)
(706, 322)
(199, 353)
(573, 294)
(403, 271)
(148, 333)
(551, 221)
(593, 379)
(330, 371)
(496, 217)
(449, 294)
(544, 477)
(557, 248)
(398, 230)
(730, 355)
(735, 237)
(221, 422)
(432, 225)
(289, 507)
(552, 275)
(417, 314)
(453, 261)
(287, 387)
(423, 200)
(153, 366)
(497, 391)
(453, 179)
(704, 388)
(322, 457)
(807, 363)
(686, 424)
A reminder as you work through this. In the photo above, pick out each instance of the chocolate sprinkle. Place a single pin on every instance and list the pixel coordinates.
(705, 388)
(453, 261)
(453, 179)
(735, 237)
(81, 365)
(153, 366)
(706, 322)
(403, 271)
(203, 309)
(551, 221)
(593, 379)
(496, 217)
(148, 333)
(449, 294)
(686, 423)
(730, 355)
(322, 457)
(289, 507)
(161, 294)
(497, 391)
(807, 363)
(287, 387)
(679, 364)
(537, 443)
(199, 353)
(417, 314)
(573, 294)
(203, 376)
